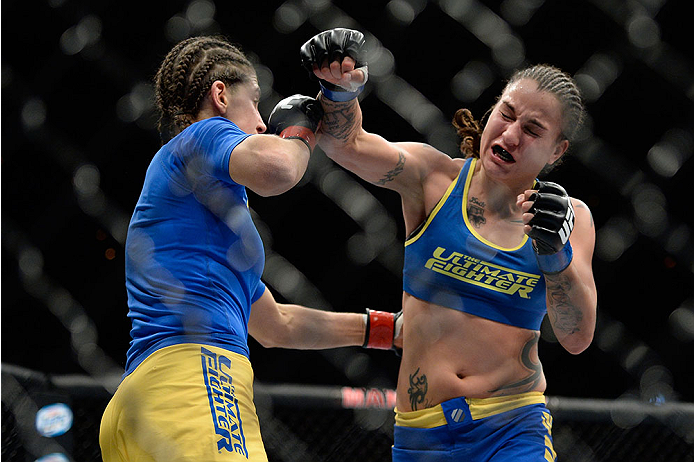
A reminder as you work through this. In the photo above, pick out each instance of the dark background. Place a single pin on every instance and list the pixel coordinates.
(78, 133)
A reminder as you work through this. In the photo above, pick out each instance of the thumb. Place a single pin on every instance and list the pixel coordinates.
(357, 76)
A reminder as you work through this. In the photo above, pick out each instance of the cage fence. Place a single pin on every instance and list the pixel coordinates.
(306, 423)
(640, 52)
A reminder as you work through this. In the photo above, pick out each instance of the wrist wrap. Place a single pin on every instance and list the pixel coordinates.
(380, 326)
(340, 95)
(556, 262)
(302, 133)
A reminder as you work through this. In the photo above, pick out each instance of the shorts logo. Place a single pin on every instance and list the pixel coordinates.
(223, 403)
(481, 273)
(457, 415)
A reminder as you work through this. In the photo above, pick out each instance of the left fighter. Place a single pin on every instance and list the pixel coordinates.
(194, 261)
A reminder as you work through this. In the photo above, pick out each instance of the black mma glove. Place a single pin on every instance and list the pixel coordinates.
(297, 117)
(551, 227)
(332, 45)
(382, 328)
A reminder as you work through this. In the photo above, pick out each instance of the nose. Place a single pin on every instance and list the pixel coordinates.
(512, 134)
(260, 127)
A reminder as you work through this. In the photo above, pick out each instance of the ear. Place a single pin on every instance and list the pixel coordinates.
(218, 98)
(559, 151)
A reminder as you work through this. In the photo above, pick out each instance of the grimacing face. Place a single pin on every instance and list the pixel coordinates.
(523, 133)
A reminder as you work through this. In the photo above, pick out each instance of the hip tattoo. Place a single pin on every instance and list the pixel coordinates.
(534, 368)
(418, 391)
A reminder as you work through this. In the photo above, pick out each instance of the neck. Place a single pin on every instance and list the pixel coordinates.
(500, 197)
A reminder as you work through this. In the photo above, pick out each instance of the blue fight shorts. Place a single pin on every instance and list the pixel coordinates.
(515, 428)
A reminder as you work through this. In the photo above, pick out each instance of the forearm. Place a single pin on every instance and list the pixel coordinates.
(310, 329)
(340, 125)
(370, 156)
(571, 307)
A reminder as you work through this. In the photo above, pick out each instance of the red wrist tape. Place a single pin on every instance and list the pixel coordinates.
(303, 133)
(380, 326)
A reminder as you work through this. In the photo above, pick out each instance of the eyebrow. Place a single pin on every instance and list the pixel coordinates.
(256, 90)
(532, 121)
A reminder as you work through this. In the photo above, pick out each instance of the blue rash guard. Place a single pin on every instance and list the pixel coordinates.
(448, 263)
(193, 255)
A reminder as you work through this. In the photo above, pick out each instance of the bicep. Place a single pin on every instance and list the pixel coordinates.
(396, 166)
(265, 318)
(268, 164)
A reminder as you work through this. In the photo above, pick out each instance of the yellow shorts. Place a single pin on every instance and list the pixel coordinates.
(185, 402)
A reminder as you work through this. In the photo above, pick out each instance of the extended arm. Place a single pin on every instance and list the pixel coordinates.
(275, 324)
(417, 171)
(334, 58)
(373, 158)
(281, 325)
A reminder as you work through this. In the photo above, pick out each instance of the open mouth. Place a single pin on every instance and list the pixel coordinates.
(502, 153)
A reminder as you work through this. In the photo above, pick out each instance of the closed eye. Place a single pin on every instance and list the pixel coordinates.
(532, 133)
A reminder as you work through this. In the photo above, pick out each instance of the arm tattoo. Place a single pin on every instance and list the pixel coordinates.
(399, 167)
(475, 212)
(565, 316)
(534, 369)
(339, 119)
(418, 390)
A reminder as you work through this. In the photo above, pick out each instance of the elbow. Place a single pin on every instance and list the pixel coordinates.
(577, 343)
(277, 182)
(576, 349)
(279, 174)
(271, 338)
(266, 342)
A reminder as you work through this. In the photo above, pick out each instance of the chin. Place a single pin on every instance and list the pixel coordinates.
(493, 164)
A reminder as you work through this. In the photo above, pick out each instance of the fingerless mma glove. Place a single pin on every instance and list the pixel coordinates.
(551, 227)
(382, 328)
(297, 117)
(333, 45)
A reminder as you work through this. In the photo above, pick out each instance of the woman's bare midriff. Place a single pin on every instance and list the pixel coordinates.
(448, 354)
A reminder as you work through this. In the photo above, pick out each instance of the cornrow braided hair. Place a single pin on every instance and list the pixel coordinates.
(186, 74)
(563, 87)
(549, 79)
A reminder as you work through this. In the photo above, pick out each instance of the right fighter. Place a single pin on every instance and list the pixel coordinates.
(491, 250)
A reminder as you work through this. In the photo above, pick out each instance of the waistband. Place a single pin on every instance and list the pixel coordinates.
(181, 361)
(478, 408)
